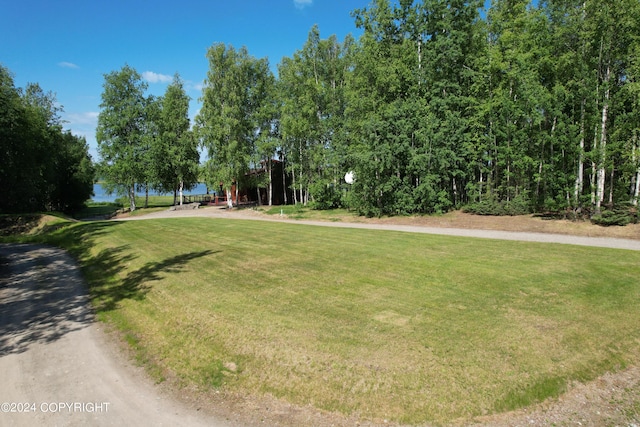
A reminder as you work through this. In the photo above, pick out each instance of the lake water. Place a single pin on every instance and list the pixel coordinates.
(101, 196)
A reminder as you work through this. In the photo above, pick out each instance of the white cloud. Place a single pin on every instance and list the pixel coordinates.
(152, 77)
(193, 86)
(67, 65)
(81, 120)
(301, 4)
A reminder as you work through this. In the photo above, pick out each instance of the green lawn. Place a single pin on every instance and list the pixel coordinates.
(384, 325)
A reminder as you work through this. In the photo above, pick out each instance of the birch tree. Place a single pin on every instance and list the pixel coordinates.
(311, 90)
(120, 131)
(233, 95)
(176, 152)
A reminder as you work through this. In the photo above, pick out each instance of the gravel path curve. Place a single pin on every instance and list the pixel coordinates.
(57, 366)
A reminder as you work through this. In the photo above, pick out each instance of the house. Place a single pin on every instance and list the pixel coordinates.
(255, 189)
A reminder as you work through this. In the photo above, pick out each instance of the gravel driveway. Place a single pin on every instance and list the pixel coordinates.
(57, 366)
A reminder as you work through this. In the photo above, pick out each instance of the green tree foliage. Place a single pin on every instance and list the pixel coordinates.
(410, 105)
(231, 117)
(529, 106)
(533, 108)
(121, 128)
(72, 183)
(516, 98)
(175, 156)
(312, 95)
(43, 167)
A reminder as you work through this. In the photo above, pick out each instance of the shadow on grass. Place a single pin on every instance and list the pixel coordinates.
(135, 284)
(97, 211)
(102, 270)
(43, 295)
(16, 224)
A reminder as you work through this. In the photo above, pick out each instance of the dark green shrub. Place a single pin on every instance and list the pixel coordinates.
(485, 207)
(324, 195)
(518, 206)
(612, 217)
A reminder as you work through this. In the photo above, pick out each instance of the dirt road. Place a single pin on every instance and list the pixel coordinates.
(57, 366)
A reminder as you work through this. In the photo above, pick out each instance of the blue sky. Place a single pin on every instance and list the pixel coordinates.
(68, 45)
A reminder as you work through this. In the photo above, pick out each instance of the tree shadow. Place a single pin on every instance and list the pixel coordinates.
(42, 297)
(137, 283)
(43, 291)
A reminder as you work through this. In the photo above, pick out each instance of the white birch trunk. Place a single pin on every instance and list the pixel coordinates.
(229, 199)
(180, 191)
(302, 200)
(284, 183)
(132, 198)
(636, 187)
(270, 165)
(636, 190)
(593, 183)
(602, 146)
(579, 187)
(295, 192)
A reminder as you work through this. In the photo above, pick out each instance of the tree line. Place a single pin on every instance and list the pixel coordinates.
(43, 167)
(436, 106)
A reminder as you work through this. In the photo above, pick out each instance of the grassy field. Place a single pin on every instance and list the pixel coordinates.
(382, 325)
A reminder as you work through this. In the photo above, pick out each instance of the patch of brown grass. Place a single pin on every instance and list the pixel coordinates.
(28, 224)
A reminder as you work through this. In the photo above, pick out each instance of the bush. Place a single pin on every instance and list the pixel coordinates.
(518, 206)
(612, 217)
(491, 206)
(324, 195)
(485, 207)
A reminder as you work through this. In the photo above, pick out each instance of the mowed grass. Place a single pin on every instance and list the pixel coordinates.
(381, 325)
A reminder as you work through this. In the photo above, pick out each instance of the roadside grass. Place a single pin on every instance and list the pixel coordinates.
(154, 201)
(377, 324)
(98, 210)
(305, 212)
